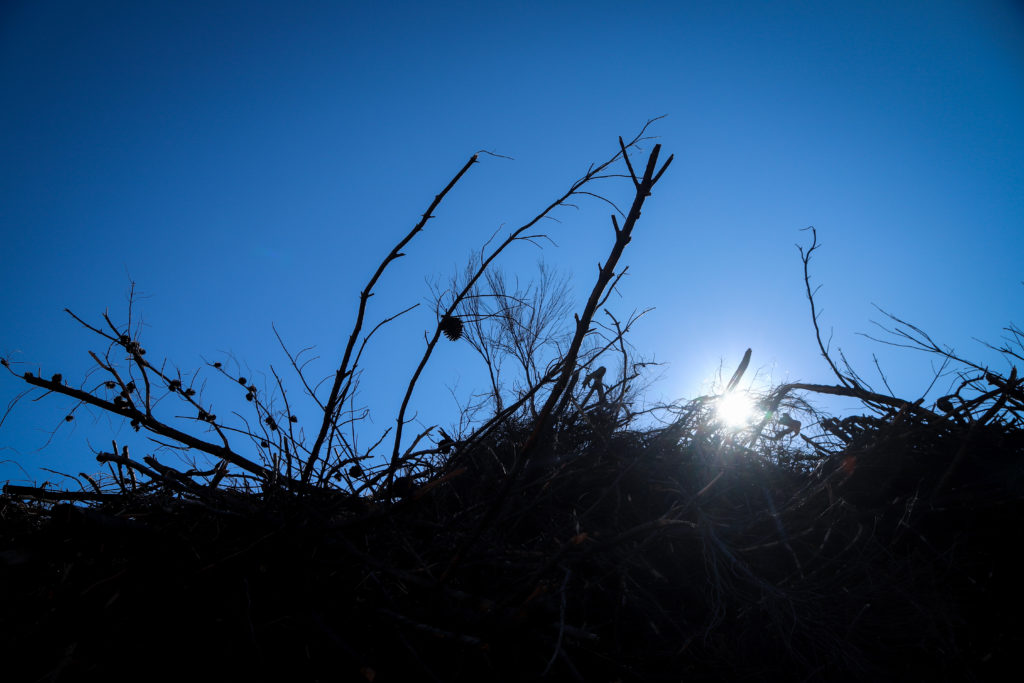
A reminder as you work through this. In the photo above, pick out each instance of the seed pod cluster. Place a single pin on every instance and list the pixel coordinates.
(451, 326)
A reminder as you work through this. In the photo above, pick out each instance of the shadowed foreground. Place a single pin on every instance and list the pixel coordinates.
(554, 539)
(670, 554)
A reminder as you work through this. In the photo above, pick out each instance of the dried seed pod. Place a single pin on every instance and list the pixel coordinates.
(56, 378)
(242, 381)
(451, 326)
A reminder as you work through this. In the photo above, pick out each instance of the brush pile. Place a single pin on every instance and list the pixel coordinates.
(556, 540)
(676, 553)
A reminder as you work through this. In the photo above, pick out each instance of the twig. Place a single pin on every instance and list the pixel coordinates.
(336, 397)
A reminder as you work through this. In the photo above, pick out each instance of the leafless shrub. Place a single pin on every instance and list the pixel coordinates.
(507, 324)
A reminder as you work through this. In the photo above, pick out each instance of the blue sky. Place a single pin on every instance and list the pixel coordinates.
(250, 163)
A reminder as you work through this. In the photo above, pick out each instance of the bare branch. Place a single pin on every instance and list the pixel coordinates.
(336, 397)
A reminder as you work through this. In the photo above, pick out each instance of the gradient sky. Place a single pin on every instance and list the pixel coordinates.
(250, 163)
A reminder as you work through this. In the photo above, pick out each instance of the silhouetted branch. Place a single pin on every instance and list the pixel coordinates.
(594, 173)
(567, 364)
(130, 412)
(336, 397)
(806, 258)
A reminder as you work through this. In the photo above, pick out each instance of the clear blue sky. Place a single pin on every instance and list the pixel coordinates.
(249, 163)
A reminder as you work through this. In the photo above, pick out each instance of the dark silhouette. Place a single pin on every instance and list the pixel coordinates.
(553, 538)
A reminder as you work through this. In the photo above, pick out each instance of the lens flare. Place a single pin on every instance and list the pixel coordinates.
(735, 409)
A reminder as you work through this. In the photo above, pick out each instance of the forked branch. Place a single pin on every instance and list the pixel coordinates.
(567, 366)
(337, 397)
(593, 173)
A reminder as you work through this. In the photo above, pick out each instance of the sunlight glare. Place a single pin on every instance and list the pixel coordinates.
(735, 409)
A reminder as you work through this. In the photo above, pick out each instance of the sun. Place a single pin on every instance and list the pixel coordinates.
(735, 409)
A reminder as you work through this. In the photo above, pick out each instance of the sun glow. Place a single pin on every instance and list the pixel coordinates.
(735, 409)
